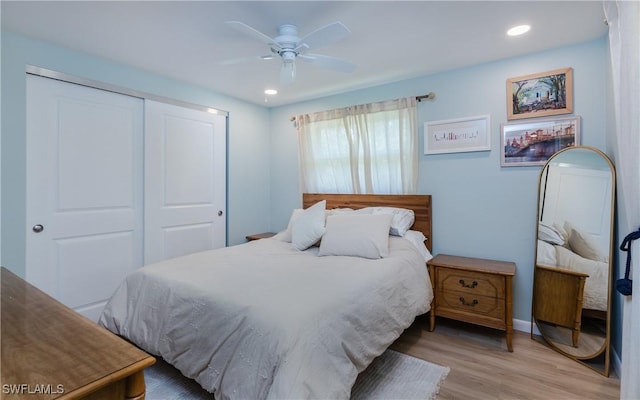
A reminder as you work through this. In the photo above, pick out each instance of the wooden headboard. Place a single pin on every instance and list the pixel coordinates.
(419, 203)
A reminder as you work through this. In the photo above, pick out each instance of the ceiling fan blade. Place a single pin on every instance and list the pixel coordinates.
(232, 61)
(249, 31)
(328, 34)
(329, 62)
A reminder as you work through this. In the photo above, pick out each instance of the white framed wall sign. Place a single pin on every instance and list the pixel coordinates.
(458, 135)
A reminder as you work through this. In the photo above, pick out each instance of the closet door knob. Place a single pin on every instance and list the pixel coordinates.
(220, 213)
(38, 228)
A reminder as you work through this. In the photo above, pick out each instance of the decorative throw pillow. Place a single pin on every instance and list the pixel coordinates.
(308, 227)
(357, 235)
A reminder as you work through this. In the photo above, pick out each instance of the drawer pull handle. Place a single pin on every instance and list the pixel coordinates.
(471, 286)
(464, 302)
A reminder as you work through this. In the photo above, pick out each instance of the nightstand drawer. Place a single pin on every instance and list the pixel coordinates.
(471, 303)
(473, 283)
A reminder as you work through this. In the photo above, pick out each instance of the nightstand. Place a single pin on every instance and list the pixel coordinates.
(257, 236)
(473, 290)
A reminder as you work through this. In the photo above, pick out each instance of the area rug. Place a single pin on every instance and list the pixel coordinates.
(393, 375)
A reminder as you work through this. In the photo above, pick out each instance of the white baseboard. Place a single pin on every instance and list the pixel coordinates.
(525, 326)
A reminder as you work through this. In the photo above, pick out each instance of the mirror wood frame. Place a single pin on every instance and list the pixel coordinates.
(549, 282)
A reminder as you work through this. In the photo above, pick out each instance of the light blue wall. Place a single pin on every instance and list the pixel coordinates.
(479, 208)
(248, 160)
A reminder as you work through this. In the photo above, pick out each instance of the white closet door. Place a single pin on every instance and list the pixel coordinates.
(84, 191)
(185, 181)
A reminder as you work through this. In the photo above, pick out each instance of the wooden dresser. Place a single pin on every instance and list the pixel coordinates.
(473, 290)
(51, 352)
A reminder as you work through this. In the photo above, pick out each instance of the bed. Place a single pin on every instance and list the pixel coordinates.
(269, 320)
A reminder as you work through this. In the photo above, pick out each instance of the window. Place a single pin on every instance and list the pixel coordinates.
(370, 148)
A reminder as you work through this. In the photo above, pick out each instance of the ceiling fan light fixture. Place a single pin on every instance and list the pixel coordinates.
(287, 73)
(288, 56)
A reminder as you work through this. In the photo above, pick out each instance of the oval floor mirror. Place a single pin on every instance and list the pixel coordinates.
(574, 247)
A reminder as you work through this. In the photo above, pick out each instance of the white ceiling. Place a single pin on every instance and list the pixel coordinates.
(389, 41)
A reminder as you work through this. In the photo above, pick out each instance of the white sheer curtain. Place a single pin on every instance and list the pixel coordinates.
(623, 18)
(370, 148)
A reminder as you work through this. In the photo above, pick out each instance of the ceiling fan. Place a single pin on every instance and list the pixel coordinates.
(289, 47)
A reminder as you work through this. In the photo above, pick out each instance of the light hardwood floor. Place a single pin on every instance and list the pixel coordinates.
(482, 368)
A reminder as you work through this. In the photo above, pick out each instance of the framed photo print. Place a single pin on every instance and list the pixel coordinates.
(458, 135)
(533, 142)
(540, 95)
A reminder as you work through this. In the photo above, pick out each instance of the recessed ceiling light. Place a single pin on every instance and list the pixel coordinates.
(518, 30)
(270, 92)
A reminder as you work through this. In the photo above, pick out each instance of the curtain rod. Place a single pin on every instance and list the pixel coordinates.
(428, 96)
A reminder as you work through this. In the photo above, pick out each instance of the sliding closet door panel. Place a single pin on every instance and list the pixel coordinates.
(84, 191)
(94, 265)
(181, 240)
(185, 188)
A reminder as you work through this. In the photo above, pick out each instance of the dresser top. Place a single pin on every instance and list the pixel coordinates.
(474, 264)
(46, 343)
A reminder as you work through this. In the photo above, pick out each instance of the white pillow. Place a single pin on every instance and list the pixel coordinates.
(417, 238)
(402, 219)
(583, 245)
(332, 211)
(308, 227)
(549, 234)
(561, 231)
(357, 235)
(285, 235)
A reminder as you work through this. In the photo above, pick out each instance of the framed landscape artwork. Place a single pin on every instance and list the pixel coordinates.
(533, 142)
(540, 95)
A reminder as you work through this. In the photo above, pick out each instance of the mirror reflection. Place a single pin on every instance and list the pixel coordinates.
(571, 300)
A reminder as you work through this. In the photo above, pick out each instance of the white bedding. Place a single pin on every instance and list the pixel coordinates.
(263, 321)
(596, 285)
